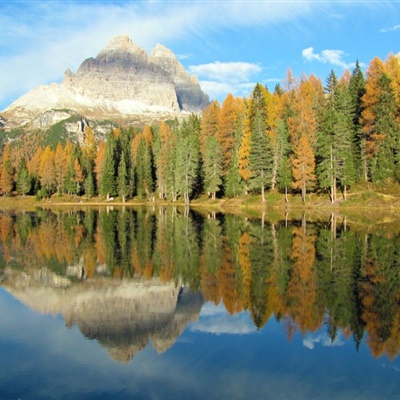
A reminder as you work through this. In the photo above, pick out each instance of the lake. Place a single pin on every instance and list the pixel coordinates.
(170, 303)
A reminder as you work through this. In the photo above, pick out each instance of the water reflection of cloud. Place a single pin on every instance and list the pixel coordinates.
(393, 367)
(216, 320)
(323, 339)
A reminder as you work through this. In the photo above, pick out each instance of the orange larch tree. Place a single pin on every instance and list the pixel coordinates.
(226, 130)
(303, 166)
(46, 169)
(209, 124)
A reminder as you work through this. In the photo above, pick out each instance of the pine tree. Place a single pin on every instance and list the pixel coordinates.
(326, 149)
(166, 139)
(261, 152)
(24, 181)
(357, 90)
(234, 184)
(108, 185)
(122, 180)
(284, 173)
(385, 162)
(187, 158)
(212, 167)
(89, 185)
(144, 169)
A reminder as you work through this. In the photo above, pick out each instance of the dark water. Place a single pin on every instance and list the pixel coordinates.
(161, 304)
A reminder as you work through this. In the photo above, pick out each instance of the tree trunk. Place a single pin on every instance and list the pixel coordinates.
(286, 196)
(303, 193)
(262, 187)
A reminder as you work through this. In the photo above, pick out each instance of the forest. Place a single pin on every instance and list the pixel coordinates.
(330, 274)
(302, 137)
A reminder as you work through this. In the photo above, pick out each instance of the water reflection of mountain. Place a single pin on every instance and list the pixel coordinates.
(123, 316)
(333, 272)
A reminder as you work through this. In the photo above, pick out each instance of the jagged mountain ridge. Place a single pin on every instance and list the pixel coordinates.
(120, 83)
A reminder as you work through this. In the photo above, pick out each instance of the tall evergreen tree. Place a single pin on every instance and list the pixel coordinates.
(212, 167)
(357, 90)
(187, 158)
(108, 185)
(123, 178)
(385, 162)
(261, 152)
(144, 169)
(284, 173)
(24, 181)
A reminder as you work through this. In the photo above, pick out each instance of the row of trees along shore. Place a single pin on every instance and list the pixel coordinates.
(301, 137)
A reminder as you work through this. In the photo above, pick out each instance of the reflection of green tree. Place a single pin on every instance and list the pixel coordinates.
(187, 250)
(164, 256)
(124, 228)
(284, 262)
(24, 225)
(212, 244)
(90, 221)
(144, 238)
(234, 227)
(381, 288)
(261, 255)
(108, 223)
(337, 267)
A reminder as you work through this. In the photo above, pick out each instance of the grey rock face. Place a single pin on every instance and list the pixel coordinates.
(188, 91)
(121, 82)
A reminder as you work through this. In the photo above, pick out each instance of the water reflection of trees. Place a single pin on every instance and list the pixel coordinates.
(306, 274)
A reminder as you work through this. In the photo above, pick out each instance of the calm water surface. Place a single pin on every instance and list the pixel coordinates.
(162, 304)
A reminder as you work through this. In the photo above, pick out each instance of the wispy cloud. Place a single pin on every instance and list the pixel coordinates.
(391, 29)
(233, 72)
(218, 79)
(323, 339)
(334, 57)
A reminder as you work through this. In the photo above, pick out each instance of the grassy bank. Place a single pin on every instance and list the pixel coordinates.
(367, 198)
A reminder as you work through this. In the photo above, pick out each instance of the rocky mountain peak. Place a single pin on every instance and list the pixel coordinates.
(121, 84)
(122, 44)
(162, 51)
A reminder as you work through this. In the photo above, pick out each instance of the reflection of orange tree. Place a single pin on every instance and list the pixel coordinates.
(227, 282)
(380, 296)
(6, 235)
(302, 306)
(245, 266)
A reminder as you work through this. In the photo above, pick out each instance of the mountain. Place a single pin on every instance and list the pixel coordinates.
(122, 83)
(122, 316)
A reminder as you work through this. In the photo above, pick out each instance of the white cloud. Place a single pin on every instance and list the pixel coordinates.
(333, 57)
(219, 90)
(323, 339)
(233, 72)
(391, 29)
(216, 320)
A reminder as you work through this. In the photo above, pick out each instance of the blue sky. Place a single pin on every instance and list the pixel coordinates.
(229, 45)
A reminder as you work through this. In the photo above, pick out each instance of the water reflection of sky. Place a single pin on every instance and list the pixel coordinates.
(217, 357)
